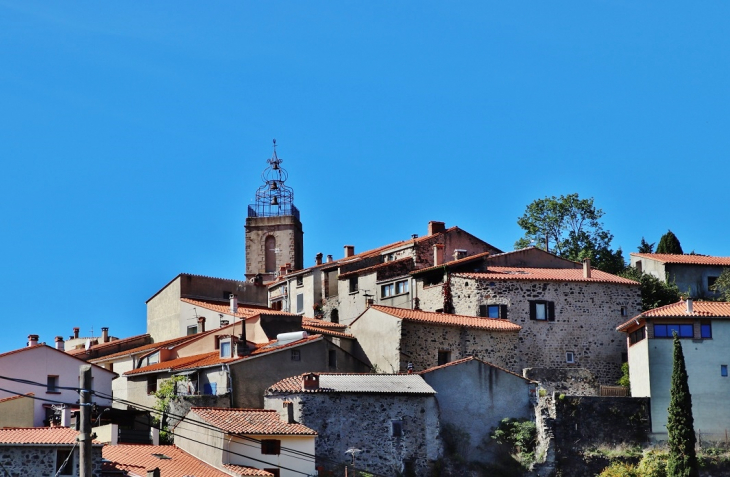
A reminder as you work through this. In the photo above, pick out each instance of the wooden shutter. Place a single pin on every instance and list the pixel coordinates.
(482, 310)
(551, 311)
(503, 311)
(533, 312)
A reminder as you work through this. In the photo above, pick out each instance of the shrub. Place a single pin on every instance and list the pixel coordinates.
(520, 436)
(619, 469)
(653, 464)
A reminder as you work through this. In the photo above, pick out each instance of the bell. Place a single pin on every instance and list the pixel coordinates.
(273, 185)
(274, 200)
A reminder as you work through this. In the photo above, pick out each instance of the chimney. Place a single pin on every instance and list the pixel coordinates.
(32, 340)
(201, 324)
(689, 306)
(234, 303)
(349, 250)
(414, 236)
(329, 258)
(459, 254)
(586, 268)
(59, 343)
(310, 382)
(282, 270)
(436, 227)
(76, 332)
(438, 254)
(105, 334)
(154, 472)
(369, 302)
(318, 259)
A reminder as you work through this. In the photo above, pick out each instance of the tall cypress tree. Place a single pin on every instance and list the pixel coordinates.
(669, 243)
(680, 424)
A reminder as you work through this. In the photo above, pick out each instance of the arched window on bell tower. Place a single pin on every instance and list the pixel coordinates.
(270, 253)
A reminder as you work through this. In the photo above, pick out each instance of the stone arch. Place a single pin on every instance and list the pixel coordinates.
(270, 253)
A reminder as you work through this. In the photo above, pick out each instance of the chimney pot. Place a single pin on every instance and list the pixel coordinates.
(438, 254)
(329, 258)
(105, 334)
(435, 227)
(318, 259)
(76, 332)
(310, 381)
(349, 250)
(689, 306)
(59, 343)
(32, 340)
(414, 236)
(201, 324)
(587, 268)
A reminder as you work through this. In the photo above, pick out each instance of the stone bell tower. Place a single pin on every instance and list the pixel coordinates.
(274, 236)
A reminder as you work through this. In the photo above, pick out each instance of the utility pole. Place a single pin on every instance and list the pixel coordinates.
(85, 424)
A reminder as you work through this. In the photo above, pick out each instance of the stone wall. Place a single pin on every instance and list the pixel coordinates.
(363, 421)
(181, 405)
(572, 381)
(287, 230)
(41, 460)
(586, 317)
(420, 344)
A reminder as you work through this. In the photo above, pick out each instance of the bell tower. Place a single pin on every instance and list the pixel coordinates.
(274, 235)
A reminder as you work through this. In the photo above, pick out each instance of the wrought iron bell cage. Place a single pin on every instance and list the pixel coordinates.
(274, 198)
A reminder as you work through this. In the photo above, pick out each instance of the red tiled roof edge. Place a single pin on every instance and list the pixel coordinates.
(473, 358)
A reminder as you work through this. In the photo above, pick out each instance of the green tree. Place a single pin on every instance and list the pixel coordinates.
(164, 394)
(680, 424)
(722, 285)
(669, 243)
(654, 292)
(646, 247)
(570, 227)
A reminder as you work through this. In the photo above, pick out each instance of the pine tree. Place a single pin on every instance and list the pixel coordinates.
(680, 424)
(646, 247)
(669, 243)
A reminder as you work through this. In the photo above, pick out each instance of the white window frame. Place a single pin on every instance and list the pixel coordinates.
(570, 357)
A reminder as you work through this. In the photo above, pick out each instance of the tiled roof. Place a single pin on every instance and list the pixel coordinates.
(547, 275)
(326, 332)
(466, 360)
(357, 383)
(374, 268)
(685, 259)
(700, 309)
(12, 398)
(452, 263)
(445, 319)
(250, 421)
(322, 324)
(109, 344)
(177, 464)
(39, 436)
(242, 470)
(274, 346)
(39, 346)
(243, 312)
(147, 347)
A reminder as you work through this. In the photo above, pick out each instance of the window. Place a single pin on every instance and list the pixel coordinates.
(151, 384)
(296, 355)
(225, 347)
(63, 466)
(667, 331)
(542, 310)
(444, 357)
(332, 358)
(192, 329)
(569, 357)
(270, 254)
(353, 285)
(624, 311)
(433, 278)
(334, 316)
(711, 281)
(396, 428)
(705, 331)
(493, 311)
(52, 385)
(300, 303)
(638, 335)
(638, 265)
(270, 446)
(401, 287)
(387, 290)
(300, 281)
(723, 370)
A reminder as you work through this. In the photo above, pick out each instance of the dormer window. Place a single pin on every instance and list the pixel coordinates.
(225, 348)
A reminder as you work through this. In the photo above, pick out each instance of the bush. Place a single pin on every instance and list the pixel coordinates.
(520, 436)
(619, 469)
(654, 464)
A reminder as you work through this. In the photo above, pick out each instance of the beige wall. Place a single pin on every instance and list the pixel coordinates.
(639, 369)
(379, 335)
(163, 313)
(17, 412)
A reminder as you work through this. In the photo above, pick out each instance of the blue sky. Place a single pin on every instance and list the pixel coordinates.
(133, 134)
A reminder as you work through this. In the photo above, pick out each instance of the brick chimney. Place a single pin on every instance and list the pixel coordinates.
(438, 254)
(349, 250)
(105, 334)
(459, 253)
(233, 299)
(32, 340)
(59, 343)
(76, 332)
(436, 227)
(586, 268)
(201, 324)
(310, 382)
(318, 259)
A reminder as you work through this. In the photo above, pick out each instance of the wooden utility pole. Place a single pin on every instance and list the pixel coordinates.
(85, 424)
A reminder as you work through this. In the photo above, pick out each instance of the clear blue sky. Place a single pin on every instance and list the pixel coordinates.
(133, 134)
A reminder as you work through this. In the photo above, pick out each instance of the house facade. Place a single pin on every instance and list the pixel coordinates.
(694, 275)
(390, 422)
(250, 438)
(704, 331)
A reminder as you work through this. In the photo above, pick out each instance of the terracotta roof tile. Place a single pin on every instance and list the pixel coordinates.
(12, 398)
(250, 421)
(547, 274)
(700, 309)
(373, 268)
(466, 360)
(445, 319)
(39, 435)
(326, 332)
(178, 464)
(109, 344)
(243, 311)
(39, 346)
(322, 323)
(685, 259)
(356, 383)
(452, 263)
(243, 470)
(147, 348)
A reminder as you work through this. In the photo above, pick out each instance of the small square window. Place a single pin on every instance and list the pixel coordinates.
(300, 303)
(444, 357)
(64, 462)
(225, 349)
(706, 330)
(540, 311)
(52, 384)
(569, 357)
(624, 311)
(493, 311)
(300, 281)
(723, 370)
(353, 285)
(387, 290)
(711, 282)
(296, 355)
(151, 384)
(270, 446)
(401, 287)
(396, 428)
(192, 329)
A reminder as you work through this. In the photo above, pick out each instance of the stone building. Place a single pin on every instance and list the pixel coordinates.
(566, 315)
(389, 421)
(693, 274)
(393, 337)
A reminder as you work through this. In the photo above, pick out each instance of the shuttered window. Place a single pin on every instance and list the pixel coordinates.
(542, 310)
